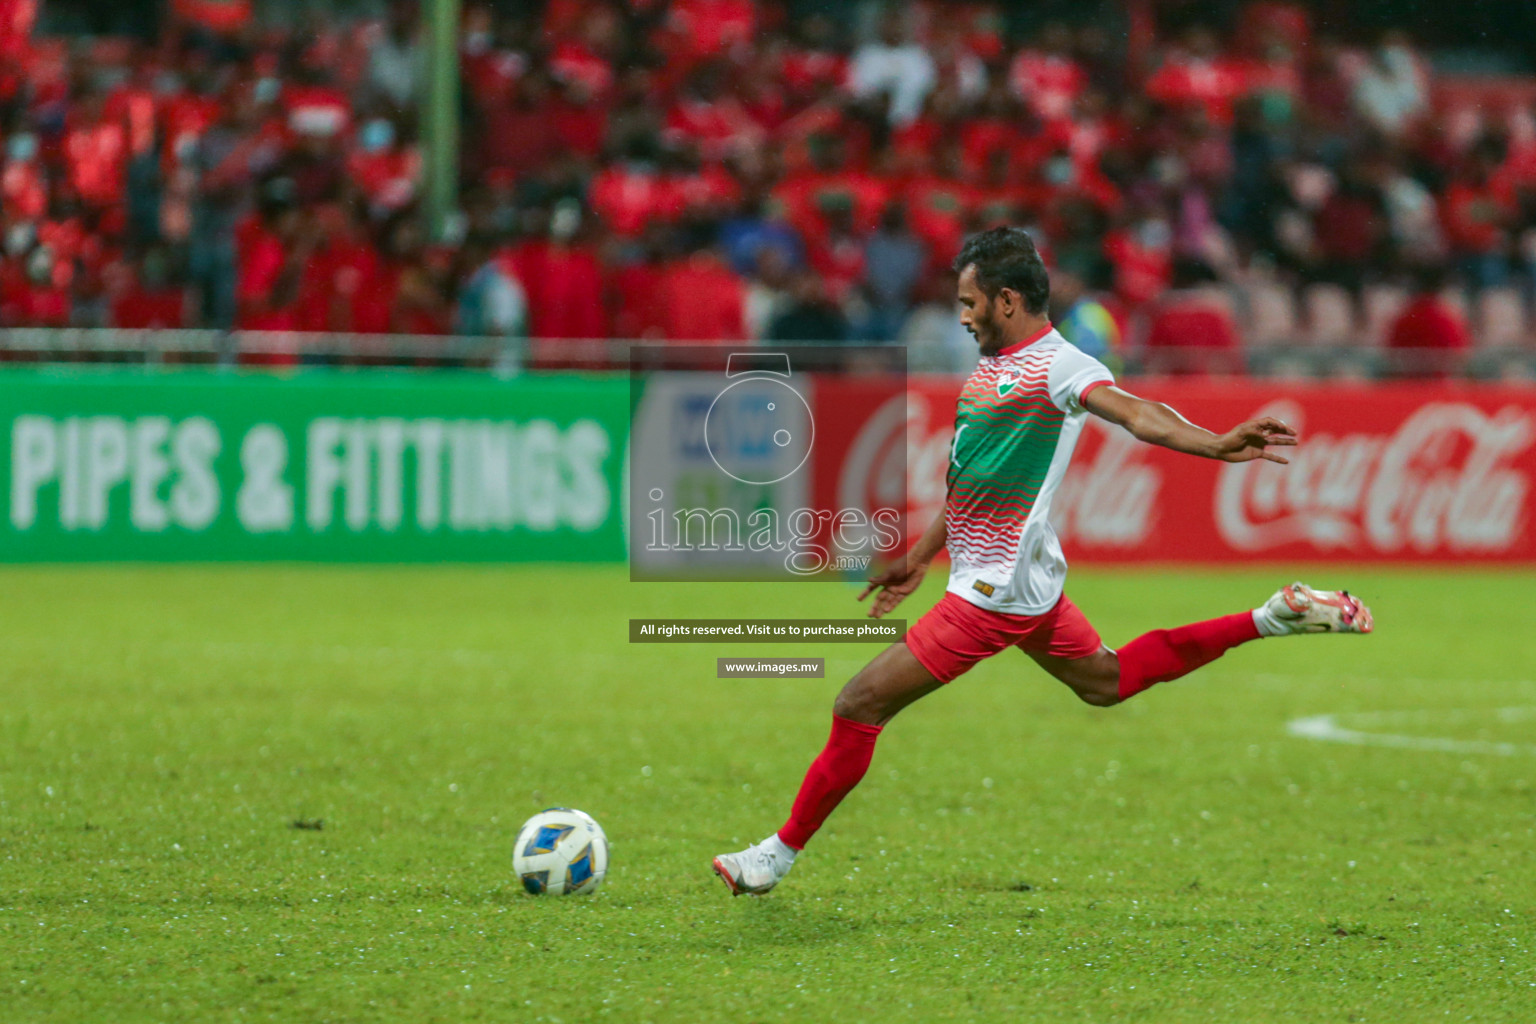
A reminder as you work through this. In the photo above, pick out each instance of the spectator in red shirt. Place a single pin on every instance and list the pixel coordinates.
(639, 300)
(343, 280)
(811, 197)
(1141, 256)
(134, 105)
(587, 58)
(1350, 232)
(940, 204)
(1477, 219)
(96, 151)
(39, 297)
(813, 60)
(152, 300)
(703, 300)
(565, 284)
(1192, 330)
(24, 182)
(384, 166)
(698, 29)
(520, 137)
(267, 283)
(837, 255)
(581, 120)
(1428, 338)
(632, 192)
(1199, 75)
(710, 117)
(1048, 79)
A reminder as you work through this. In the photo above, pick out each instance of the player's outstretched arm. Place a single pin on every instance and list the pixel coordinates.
(903, 577)
(1156, 423)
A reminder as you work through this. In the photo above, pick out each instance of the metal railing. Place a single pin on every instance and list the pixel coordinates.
(508, 356)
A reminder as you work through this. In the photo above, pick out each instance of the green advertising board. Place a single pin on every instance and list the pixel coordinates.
(376, 466)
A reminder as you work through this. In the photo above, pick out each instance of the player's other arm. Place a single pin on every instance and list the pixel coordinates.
(904, 576)
(1159, 424)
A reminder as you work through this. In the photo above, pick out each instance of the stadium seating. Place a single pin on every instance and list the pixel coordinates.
(265, 181)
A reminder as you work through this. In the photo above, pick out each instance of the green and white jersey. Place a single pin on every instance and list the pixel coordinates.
(1016, 424)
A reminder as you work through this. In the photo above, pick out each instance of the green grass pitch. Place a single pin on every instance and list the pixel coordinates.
(1013, 854)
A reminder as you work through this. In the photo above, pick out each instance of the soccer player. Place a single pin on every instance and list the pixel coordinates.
(1016, 423)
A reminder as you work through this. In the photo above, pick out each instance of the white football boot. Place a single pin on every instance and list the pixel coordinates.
(756, 869)
(1300, 609)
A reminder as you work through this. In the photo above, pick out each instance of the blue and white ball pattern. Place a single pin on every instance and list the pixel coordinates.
(560, 852)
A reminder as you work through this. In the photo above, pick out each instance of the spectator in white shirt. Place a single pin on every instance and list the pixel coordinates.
(896, 66)
(1390, 91)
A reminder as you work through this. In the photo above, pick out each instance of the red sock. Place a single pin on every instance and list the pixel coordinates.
(1165, 654)
(834, 773)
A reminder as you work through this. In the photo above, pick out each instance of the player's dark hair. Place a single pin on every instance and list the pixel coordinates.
(1006, 257)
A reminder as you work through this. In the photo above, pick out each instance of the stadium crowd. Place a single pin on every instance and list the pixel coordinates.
(721, 170)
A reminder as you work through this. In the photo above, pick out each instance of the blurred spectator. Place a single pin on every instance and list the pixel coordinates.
(703, 28)
(491, 300)
(935, 340)
(1140, 254)
(632, 192)
(702, 300)
(1350, 232)
(757, 228)
(1389, 92)
(811, 315)
(1048, 79)
(343, 283)
(1192, 330)
(639, 306)
(768, 291)
(1083, 320)
(396, 64)
(272, 247)
(152, 300)
(709, 116)
(1477, 218)
(519, 138)
(384, 167)
(939, 205)
(894, 260)
(564, 281)
(1428, 338)
(894, 67)
(1197, 75)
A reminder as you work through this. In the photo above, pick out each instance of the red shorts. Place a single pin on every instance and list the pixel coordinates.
(955, 634)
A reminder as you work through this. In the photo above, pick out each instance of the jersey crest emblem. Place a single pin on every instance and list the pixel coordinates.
(1009, 380)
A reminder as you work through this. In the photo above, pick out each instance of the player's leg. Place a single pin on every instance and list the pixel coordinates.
(1103, 677)
(891, 681)
(942, 645)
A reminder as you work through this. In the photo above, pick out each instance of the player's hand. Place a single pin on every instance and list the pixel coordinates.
(1253, 439)
(894, 584)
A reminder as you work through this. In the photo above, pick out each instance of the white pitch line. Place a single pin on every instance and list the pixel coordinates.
(1327, 729)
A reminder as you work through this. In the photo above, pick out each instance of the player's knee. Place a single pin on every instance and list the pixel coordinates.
(1101, 689)
(1099, 696)
(858, 702)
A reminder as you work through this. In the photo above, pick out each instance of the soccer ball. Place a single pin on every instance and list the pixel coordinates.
(560, 852)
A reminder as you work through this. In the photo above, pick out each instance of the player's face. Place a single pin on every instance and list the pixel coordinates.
(977, 312)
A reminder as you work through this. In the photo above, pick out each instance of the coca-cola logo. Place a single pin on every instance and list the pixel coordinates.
(1442, 482)
(874, 472)
(1110, 498)
(898, 445)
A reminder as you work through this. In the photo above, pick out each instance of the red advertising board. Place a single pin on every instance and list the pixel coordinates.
(1432, 472)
